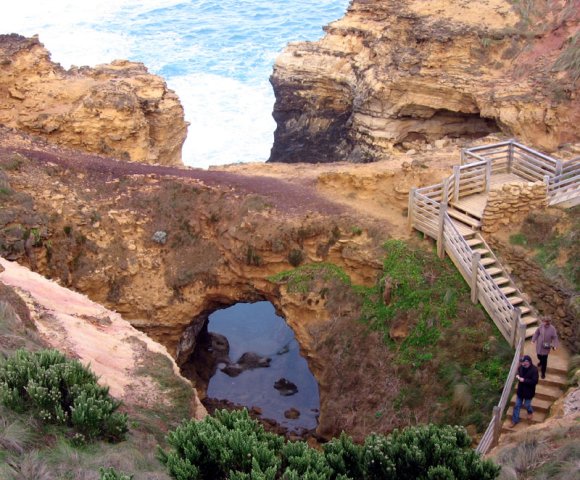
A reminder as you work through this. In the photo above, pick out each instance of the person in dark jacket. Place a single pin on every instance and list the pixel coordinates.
(528, 379)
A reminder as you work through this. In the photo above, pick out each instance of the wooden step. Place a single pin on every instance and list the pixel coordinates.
(508, 290)
(465, 231)
(554, 378)
(538, 404)
(538, 417)
(481, 251)
(462, 217)
(493, 271)
(524, 310)
(530, 331)
(516, 300)
(548, 392)
(506, 427)
(501, 280)
(529, 320)
(468, 209)
(556, 371)
(487, 261)
(472, 242)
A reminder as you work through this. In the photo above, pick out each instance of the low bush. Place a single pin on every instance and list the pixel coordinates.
(60, 391)
(228, 442)
(231, 445)
(295, 257)
(112, 474)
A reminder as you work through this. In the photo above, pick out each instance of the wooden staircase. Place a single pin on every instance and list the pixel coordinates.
(451, 213)
(468, 221)
(548, 391)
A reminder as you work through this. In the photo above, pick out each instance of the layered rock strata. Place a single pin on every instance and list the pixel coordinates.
(392, 72)
(117, 109)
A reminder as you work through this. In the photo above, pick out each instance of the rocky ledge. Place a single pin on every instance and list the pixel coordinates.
(393, 72)
(116, 109)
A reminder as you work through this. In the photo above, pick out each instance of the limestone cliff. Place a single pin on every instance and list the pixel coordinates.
(117, 109)
(125, 360)
(391, 72)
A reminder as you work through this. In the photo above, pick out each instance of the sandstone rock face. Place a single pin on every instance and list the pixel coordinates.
(65, 320)
(117, 109)
(391, 72)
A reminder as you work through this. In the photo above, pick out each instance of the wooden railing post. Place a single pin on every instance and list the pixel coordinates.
(463, 156)
(445, 193)
(522, 331)
(516, 316)
(457, 175)
(510, 156)
(496, 425)
(487, 175)
(411, 210)
(558, 168)
(440, 231)
(475, 258)
(547, 182)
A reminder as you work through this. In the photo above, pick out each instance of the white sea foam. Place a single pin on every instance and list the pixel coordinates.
(72, 30)
(217, 56)
(230, 121)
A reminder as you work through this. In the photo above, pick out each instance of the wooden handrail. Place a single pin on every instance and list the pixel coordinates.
(428, 213)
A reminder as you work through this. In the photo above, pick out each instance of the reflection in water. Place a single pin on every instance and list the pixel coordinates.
(255, 327)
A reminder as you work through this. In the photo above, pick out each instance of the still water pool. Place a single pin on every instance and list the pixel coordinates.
(255, 327)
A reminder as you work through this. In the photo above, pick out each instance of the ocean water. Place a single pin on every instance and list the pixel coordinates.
(255, 327)
(216, 54)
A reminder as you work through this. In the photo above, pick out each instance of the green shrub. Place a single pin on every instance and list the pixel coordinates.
(345, 457)
(302, 279)
(295, 257)
(60, 391)
(233, 446)
(428, 452)
(112, 474)
(220, 445)
(302, 462)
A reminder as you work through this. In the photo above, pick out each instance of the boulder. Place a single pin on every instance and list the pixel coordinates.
(285, 387)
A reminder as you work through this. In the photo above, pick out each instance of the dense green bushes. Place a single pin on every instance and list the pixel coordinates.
(61, 391)
(232, 446)
(112, 474)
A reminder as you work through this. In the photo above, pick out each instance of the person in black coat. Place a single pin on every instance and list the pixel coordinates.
(528, 379)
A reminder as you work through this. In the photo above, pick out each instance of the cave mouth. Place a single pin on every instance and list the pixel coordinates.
(445, 123)
(248, 356)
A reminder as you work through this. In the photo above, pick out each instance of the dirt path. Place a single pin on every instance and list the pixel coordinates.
(373, 194)
(289, 197)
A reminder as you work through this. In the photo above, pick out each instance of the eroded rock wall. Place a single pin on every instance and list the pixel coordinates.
(511, 202)
(391, 72)
(165, 252)
(116, 109)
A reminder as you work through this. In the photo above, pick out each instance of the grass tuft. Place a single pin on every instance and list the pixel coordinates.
(569, 59)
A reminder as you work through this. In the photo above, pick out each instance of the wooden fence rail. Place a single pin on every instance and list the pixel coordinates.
(562, 179)
(491, 434)
(566, 186)
(428, 213)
